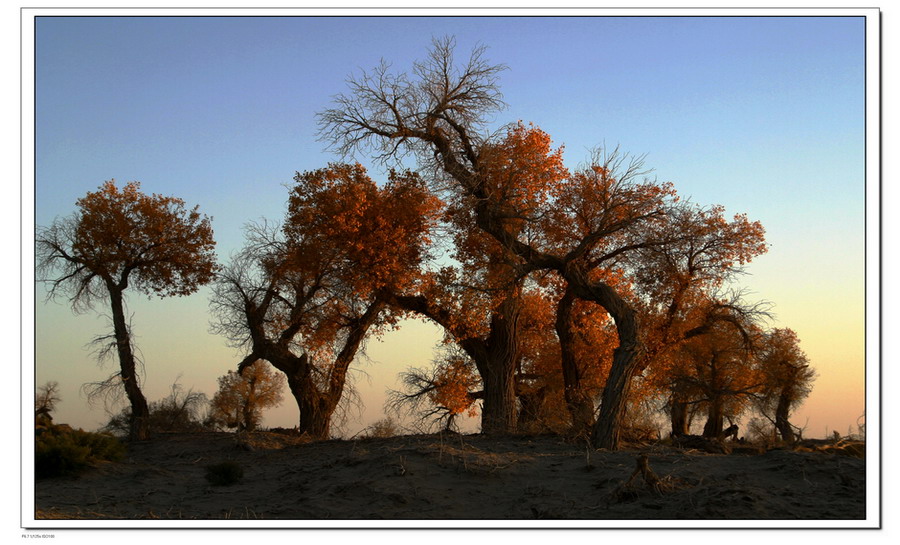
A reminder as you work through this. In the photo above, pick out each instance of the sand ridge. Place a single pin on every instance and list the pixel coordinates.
(452, 477)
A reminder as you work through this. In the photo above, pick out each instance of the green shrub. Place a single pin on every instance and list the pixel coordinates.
(60, 450)
(224, 473)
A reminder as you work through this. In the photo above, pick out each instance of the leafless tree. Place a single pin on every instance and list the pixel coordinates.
(45, 399)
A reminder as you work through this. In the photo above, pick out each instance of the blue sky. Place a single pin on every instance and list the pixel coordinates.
(764, 115)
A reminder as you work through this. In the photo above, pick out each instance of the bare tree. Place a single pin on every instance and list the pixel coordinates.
(179, 411)
(45, 399)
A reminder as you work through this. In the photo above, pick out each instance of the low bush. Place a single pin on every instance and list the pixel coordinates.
(224, 473)
(384, 428)
(60, 450)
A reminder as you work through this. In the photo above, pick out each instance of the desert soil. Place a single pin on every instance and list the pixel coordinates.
(452, 477)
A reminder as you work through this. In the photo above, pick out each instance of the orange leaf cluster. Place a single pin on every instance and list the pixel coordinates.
(150, 242)
(373, 237)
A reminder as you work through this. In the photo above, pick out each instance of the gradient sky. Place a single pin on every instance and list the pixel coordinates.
(764, 115)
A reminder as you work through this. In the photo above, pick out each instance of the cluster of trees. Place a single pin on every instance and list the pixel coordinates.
(559, 291)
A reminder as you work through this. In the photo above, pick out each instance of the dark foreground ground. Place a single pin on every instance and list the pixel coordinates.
(438, 477)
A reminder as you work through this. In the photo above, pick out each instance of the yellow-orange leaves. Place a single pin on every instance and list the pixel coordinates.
(372, 238)
(454, 380)
(149, 242)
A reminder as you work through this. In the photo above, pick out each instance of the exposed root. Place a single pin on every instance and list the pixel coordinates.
(629, 490)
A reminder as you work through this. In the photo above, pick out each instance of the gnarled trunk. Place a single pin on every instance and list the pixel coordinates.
(315, 409)
(496, 363)
(580, 406)
(316, 402)
(715, 419)
(498, 413)
(782, 411)
(678, 415)
(607, 430)
(140, 412)
(315, 415)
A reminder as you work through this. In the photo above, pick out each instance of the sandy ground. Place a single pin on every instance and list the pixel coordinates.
(439, 477)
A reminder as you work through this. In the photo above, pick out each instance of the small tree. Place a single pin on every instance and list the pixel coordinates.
(122, 238)
(45, 399)
(437, 396)
(384, 428)
(788, 379)
(243, 396)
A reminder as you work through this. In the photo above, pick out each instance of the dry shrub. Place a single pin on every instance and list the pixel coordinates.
(384, 428)
(60, 450)
(649, 482)
(856, 449)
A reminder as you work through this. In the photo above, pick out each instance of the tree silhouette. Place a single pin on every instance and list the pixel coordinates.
(581, 227)
(788, 378)
(120, 239)
(304, 297)
(45, 399)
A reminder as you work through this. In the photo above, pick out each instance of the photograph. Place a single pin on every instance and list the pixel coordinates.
(451, 268)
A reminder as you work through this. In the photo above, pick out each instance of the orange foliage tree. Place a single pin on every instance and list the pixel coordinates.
(479, 300)
(719, 372)
(121, 238)
(441, 393)
(788, 378)
(305, 297)
(581, 226)
(684, 293)
(241, 397)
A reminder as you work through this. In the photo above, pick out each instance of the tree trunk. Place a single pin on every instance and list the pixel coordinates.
(498, 368)
(249, 422)
(715, 419)
(679, 417)
(498, 413)
(530, 404)
(315, 410)
(315, 416)
(782, 411)
(140, 412)
(316, 405)
(613, 402)
(605, 433)
(581, 408)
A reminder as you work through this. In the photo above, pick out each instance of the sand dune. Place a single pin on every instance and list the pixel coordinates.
(453, 477)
